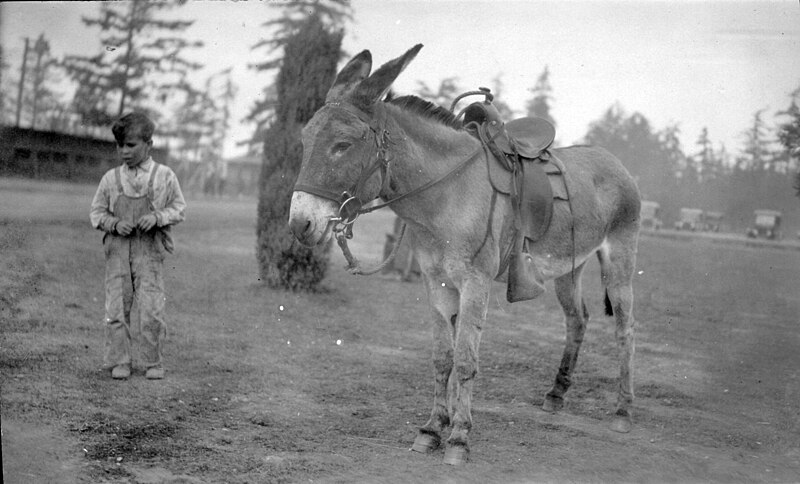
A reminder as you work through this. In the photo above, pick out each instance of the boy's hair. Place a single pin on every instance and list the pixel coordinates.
(133, 123)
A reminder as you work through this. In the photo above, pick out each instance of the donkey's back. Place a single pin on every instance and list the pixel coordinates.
(604, 200)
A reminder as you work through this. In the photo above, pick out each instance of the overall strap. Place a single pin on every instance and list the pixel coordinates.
(150, 193)
(118, 177)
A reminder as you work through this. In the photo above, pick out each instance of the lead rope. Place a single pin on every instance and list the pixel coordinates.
(354, 266)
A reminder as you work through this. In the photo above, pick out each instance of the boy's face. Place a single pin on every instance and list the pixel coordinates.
(134, 150)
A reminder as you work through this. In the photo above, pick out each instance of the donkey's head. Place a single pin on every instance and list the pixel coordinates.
(344, 148)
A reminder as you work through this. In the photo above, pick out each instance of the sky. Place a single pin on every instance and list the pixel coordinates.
(692, 63)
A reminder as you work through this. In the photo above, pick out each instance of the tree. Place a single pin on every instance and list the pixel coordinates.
(756, 154)
(789, 137)
(506, 113)
(444, 96)
(34, 103)
(294, 13)
(200, 125)
(141, 60)
(705, 162)
(651, 157)
(4, 113)
(307, 71)
(539, 105)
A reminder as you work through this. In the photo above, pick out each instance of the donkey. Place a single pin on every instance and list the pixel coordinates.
(416, 157)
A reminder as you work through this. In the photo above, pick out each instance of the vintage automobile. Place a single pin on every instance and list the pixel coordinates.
(713, 221)
(767, 225)
(692, 219)
(650, 214)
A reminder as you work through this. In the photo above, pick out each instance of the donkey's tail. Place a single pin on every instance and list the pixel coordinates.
(603, 258)
(609, 309)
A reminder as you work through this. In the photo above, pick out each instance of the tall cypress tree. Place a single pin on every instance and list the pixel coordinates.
(307, 71)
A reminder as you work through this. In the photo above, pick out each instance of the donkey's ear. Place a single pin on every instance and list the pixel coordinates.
(378, 84)
(350, 76)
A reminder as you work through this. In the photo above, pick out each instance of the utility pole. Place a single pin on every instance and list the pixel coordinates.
(22, 82)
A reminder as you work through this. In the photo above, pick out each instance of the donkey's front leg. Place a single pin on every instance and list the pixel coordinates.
(444, 308)
(473, 306)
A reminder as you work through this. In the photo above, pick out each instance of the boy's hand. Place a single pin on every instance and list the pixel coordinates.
(147, 222)
(124, 228)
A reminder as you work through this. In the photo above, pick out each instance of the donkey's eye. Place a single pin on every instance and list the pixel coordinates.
(341, 147)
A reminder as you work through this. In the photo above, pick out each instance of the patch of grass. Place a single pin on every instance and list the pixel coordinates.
(258, 390)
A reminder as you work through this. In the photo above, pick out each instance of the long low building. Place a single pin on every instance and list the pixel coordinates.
(30, 153)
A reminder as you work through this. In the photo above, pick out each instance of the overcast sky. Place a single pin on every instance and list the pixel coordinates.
(697, 63)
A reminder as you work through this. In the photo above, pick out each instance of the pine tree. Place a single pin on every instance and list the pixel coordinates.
(40, 106)
(506, 113)
(789, 137)
(5, 117)
(756, 154)
(651, 157)
(705, 160)
(307, 71)
(539, 105)
(134, 55)
(447, 91)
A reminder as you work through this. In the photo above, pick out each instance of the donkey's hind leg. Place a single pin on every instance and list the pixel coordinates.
(618, 263)
(568, 291)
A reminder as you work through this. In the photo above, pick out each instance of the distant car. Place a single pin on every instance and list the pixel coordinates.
(650, 215)
(692, 219)
(713, 221)
(767, 225)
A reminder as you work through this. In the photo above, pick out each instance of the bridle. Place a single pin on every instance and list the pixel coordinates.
(350, 201)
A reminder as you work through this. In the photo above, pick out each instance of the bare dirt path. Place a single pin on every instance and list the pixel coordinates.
(267, 386)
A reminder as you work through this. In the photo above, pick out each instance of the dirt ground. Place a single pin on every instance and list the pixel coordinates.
(270, 386)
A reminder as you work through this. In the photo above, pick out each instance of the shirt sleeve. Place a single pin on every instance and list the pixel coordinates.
(100, 214)
(173, 211)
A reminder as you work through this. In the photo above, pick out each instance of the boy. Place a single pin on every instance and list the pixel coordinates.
(135, 205)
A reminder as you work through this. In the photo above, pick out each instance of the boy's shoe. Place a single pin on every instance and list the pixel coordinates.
(155, 373)
(121, 372)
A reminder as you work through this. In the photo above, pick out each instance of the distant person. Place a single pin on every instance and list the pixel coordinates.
(135, 205)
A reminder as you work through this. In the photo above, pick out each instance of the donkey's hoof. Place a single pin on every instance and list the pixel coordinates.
(456, 455)
(621, 424)
(552, 404)
(425, 443)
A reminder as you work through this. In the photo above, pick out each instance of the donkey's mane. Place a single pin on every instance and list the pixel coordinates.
(426, 109)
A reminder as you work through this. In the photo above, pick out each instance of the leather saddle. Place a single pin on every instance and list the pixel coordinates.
(523, 169)
(528, 137)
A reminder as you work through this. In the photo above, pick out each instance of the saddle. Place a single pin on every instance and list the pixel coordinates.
(523, 169)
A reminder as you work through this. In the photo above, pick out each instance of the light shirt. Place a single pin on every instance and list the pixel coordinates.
(168, 202)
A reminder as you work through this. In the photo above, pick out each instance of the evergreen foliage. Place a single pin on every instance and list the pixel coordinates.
(444, 96)
(33, 101)
(132, 57)
(308, 70)
(333, 14)
(789, 137)
(706, 179)
(539, 105)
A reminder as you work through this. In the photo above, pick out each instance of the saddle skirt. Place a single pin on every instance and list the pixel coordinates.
(522, 168)
(540, 183)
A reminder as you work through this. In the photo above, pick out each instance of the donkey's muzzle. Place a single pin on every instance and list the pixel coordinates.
(310, 218)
